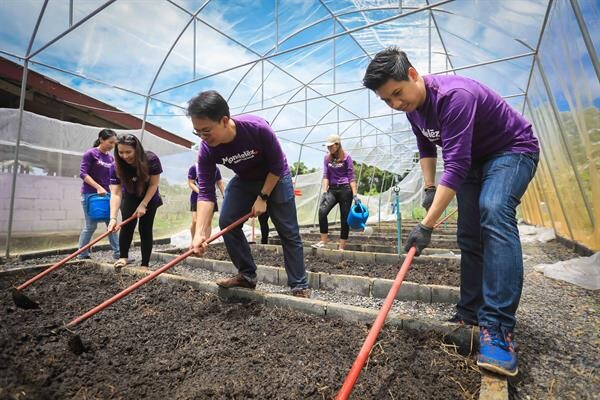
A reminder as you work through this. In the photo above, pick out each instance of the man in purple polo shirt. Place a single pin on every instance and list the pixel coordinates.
(248, 146)
(490, 155)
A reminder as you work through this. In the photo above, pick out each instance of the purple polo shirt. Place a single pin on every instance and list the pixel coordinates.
(339, 172)
(470, 122)
(154, 168)
(192, 174)
(253, 153)
(97, 165)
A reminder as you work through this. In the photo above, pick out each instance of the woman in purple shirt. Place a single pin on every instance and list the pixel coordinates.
(95, 172)
(339, 186)
(490, 156)
(193, 185)
(134, 189)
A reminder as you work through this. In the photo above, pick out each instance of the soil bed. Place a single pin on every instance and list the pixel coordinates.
(166, 341)
(434, 272)
(436, 242)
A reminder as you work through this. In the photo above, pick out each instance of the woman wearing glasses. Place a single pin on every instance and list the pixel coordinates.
(339, 186)
(134, 189)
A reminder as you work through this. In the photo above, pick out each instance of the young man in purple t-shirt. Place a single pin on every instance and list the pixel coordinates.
(490, 155)
(193, 185)
(248, 146)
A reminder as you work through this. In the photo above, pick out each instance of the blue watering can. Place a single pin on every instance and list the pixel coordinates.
(357, 217)
(99, 207)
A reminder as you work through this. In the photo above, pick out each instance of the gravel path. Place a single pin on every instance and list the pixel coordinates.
(557, 332)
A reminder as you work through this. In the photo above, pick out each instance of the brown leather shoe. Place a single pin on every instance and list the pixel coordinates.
(304, 293)
(236, 281)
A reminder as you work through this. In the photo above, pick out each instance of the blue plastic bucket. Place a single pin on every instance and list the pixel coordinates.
(99, 207)
(357, 217)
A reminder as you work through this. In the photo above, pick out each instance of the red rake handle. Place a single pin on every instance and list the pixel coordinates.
(354, 373)
(153, 275)
(70, 257)
(445, 218)
(374, 331)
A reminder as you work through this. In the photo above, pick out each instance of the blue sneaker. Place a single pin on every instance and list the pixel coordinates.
(497, 351)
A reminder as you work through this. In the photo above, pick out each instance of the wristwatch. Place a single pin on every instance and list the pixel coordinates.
(264, 196)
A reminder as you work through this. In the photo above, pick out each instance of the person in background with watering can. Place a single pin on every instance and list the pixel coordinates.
(248, 146)
(134, 189)
(193, 184)
(490, 155)
(339, 186)
(95, 172)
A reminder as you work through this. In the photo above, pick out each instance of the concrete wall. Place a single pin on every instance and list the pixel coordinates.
(42, 204)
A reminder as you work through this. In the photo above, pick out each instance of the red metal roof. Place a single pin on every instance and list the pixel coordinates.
(51, 88)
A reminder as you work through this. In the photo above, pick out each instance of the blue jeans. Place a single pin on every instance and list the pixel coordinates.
(90, 228)
(240, 195)
(491, 265)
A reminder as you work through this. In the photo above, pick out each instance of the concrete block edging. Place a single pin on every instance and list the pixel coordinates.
(364, 286)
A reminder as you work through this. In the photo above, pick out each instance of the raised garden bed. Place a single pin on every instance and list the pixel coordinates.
(390, 241)
(374, 246)
(171, 341)
(437, 272)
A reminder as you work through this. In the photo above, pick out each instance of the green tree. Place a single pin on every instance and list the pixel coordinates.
(372, 178)
(303, 169)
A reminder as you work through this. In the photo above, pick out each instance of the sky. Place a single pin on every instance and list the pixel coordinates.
(139, 48)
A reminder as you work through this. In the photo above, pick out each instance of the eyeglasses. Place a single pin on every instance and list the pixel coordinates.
(203, 132)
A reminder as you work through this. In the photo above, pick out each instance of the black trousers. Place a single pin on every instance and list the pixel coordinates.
(128, 206)
(263, 220)
(341, 194)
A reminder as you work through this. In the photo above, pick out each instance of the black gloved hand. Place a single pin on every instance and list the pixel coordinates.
(428, 197)
(420, 237)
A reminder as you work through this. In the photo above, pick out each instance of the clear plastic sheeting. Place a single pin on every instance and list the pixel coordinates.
(533, 234)
(299, 65)
(581, 271)
(47, 194)
(564, 105)
(54, 148)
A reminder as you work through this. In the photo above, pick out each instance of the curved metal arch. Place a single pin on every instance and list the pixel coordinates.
(162, 64)
(335, 16)
(292, 49)
(262, 59)
(22, 93)
(158, 71)
(71, 28)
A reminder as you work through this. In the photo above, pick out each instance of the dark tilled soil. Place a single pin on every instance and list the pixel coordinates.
(173, 342)
(434, 272)
(435, 244)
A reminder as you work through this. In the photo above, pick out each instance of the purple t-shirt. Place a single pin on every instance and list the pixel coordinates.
(154, 168)
(338, 172)
(97, 165)
(470, 122)
(253, 153)
(192, 174)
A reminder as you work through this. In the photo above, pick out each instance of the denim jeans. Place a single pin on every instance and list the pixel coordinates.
(240, 195)
(90, 228)
(491, 265)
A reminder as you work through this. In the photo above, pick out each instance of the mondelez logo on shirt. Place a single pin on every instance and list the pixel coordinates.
(431, 134)
(104, 164)
(236, 158)
(335, 164)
